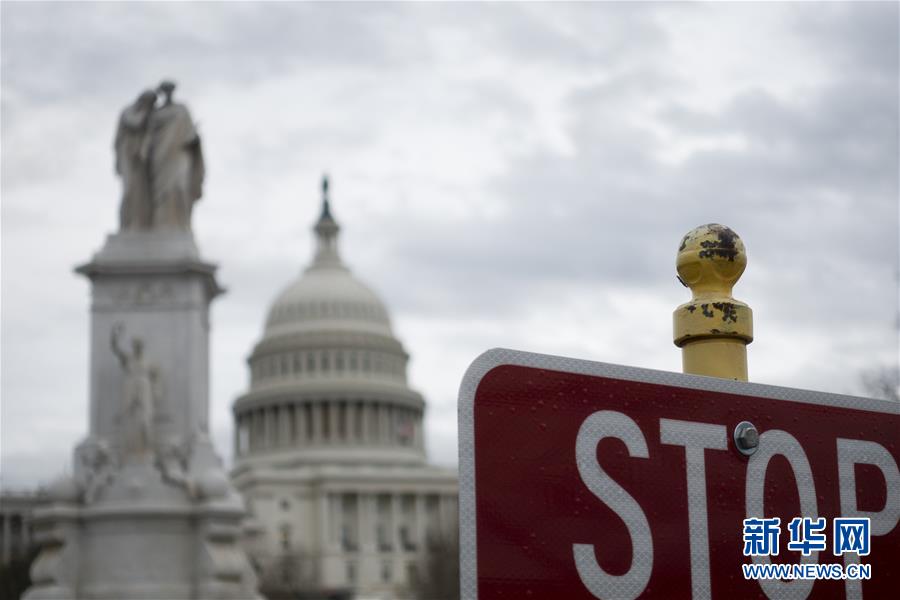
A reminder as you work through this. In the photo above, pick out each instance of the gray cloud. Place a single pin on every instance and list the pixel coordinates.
(505, 174)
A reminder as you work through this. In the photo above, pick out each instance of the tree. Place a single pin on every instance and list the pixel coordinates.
(291, 575)
(882, 382)
(15, 575)
(439, 579)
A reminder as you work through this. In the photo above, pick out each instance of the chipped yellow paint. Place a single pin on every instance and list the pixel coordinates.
(713, 329)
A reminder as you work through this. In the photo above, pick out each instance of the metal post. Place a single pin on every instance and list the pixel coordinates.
(713, 329)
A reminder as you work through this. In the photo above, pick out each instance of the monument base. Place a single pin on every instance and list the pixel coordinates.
(149, 513)
(145, 536)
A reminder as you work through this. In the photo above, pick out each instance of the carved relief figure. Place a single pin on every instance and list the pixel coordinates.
(132, 147)
(141, 392)
(95, 467)
(176, 162)
(172, 463)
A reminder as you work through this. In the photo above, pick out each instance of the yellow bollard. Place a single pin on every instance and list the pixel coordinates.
(713, 329)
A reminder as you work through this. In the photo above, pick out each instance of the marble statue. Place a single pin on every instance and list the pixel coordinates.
(141, 389)
(95, 467)
(171, 460)
(132, 148)
(148, 511)
(176, 162)
(160, 159)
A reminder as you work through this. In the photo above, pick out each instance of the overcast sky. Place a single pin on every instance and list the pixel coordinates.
(514, 175)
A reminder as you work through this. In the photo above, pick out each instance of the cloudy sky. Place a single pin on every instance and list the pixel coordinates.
(512, 175)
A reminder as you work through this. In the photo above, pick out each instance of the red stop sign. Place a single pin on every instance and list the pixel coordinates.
(588, 480)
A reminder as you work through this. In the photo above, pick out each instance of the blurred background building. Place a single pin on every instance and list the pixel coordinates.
(329, 444)
(15, 524)
(17, 544)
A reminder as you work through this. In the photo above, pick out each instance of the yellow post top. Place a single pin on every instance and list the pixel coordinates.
(713, 329)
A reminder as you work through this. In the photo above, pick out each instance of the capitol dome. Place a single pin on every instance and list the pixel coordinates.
(329, 445)
(327, 298)
(328, 377)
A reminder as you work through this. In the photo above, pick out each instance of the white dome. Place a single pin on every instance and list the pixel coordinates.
(327, 297)
(328, 378)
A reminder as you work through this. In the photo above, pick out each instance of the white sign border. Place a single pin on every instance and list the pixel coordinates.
(496, 357)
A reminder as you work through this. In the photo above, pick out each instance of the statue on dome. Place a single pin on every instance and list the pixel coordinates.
(160, 160)
(141, 393)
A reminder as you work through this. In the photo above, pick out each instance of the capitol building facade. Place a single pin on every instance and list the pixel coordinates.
(329, 443)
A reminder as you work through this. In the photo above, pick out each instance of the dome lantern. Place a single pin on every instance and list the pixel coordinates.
(326, 230)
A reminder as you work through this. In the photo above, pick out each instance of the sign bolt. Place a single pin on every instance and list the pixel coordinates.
(746, 438)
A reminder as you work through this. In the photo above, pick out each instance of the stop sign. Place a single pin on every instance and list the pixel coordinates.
(588, 480)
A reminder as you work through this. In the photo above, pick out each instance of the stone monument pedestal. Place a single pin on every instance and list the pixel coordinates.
(149, 513)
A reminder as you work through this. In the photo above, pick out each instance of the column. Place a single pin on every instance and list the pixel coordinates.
(362, 523)
(379, 423)
(421, 523)
(335, 517)
(291, 419)
(443, 516)
(317, 422)
(277, 412)
(376, 422)
(378, 429)
(394, 535)
(285, 423)
(261, 428)
(300, 423)
(272, 416)
(348, 421)
(386, 413)
(264, 437)
(420, 429)
(335, 426)
(272, 420)
(364, 409)
(323, 518)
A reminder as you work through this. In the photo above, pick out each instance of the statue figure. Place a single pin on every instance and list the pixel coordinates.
(132, 146)
(160, 160)
(175, 163)
(141, 391)
(95, 467)
(171, 461)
